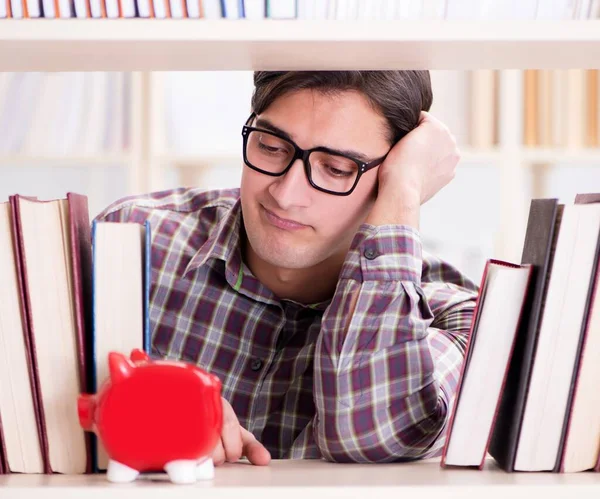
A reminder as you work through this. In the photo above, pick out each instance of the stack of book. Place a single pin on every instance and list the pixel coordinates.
(68, 296)
(561, 108)
(528, 391)
(304, 9)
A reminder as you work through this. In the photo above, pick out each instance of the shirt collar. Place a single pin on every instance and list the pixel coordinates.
(225, 243)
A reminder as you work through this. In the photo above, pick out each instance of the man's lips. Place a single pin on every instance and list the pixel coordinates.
(282, 223)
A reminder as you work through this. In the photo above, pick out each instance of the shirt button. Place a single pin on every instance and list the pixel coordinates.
(370, 254)
(256, 364)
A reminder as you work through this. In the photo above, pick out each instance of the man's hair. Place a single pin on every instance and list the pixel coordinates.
(399, 96)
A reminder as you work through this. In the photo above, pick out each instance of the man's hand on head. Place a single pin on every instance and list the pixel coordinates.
(416, 168)
(237, 442)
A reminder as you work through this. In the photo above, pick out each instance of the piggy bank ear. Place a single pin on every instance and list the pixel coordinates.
(138, 355)
(120, 367)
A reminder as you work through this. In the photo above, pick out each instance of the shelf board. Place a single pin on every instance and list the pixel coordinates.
(66, 160)
(298, 479)
(552, 156)
(198, 44)
(197, 160)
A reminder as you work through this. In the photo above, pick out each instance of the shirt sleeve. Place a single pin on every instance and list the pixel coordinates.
(385, 375)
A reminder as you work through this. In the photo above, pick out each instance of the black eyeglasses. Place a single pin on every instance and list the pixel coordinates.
(327, 171)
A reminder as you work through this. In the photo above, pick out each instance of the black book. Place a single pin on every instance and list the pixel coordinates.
(538, 250)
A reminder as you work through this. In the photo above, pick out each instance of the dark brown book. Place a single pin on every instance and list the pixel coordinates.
(81, 250)
(538, 250)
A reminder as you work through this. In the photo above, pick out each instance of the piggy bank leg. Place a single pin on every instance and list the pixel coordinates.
(120, 473)
(205, 469)
(181, 471)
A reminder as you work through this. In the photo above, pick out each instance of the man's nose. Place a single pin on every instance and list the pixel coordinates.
(293, 188)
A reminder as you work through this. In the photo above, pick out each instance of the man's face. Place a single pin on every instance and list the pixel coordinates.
(290, 224)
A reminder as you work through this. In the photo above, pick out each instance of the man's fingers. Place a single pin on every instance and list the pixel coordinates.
(218, 455)
(230, 434)
(255, 452)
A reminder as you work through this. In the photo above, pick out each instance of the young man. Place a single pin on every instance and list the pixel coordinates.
(306, 290)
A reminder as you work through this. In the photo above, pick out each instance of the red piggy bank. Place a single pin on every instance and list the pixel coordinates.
(154, 416)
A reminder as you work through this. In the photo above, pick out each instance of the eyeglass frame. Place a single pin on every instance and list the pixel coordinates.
(303, 154)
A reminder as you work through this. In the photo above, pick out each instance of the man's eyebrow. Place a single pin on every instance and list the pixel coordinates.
(267, 125)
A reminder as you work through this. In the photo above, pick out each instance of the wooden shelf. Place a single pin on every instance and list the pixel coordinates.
(197, 44)
(66, 160)
(317, 479)
(552, 156)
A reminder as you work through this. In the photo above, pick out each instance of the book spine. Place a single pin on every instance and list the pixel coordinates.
(29, 339)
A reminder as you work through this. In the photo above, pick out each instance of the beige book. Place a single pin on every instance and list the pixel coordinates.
(591, 108)
(544, 108)
(46, 250)
(530, 135)
(483, 108)
(559, 107)
(575, 107)
(19, 430)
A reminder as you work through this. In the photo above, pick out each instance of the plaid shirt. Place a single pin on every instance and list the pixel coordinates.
(309, 381)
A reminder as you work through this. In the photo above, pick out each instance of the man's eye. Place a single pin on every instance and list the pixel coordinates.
(336, 172)
(268, 148)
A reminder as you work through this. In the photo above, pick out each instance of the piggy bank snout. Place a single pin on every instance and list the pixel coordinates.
(86, 405)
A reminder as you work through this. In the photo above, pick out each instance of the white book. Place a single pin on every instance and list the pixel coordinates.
(392, 9)
(92, 142)
(434, 9)
(112, 9)
(232, 9)
(342, 9)
(193, 9)
(285, 9)
(95, 8)
(464, 9)
(48, 6)
(584, 9)
(452, 102)
(212, 9)
(415, 9)
(81, 9)
(17, 9)
(321, 9)
(65, 9)
(117, 297)
(128, 8)
(254, 9)
(160, 9)
(177, 11)
(558, 338)
(502, 296)
(552, 9)
(33, 8)
(144, 8)
(306, 9)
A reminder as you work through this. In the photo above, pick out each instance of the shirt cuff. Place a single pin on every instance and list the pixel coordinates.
(384, 253)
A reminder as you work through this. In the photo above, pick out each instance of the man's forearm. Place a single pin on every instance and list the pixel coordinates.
(378, 391)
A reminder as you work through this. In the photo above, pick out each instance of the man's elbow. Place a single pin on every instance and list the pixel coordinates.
(412, 444)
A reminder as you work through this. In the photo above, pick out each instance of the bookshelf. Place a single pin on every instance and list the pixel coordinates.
(188, 44)
(147, 47)
(317, 479)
